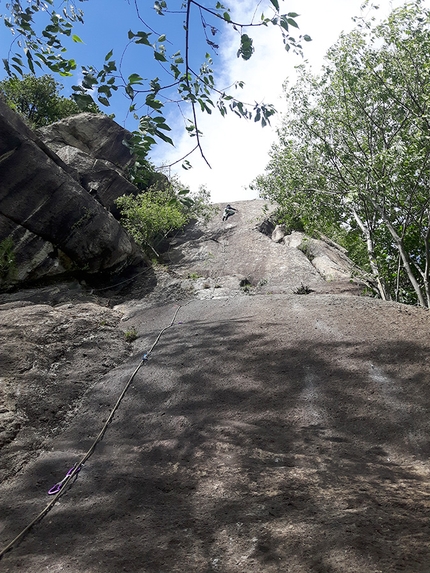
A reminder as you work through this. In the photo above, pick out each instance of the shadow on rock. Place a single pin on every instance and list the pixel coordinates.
(237, 450)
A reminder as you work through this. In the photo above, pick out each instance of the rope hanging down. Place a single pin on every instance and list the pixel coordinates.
(72, 474)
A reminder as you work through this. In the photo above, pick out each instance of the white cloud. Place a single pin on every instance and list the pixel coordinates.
(238, 149)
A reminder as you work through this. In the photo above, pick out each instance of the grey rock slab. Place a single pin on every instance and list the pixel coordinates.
(271, 418)
(94, 134)
(238, 248)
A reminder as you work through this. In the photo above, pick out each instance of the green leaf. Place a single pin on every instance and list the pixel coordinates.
(89, 81)
(108, 55)
(135, 79)
(142, 38)
(161, 123)
(150, 140)
(105, 89)
(6, 66)
(82, 100)
(18, 69)
(152, 102)
(176, 71)
(159, 56)
(30, 62)
(246, 47)
(164, 137)
(71, 64)
(159, 6)
(129, 91)
(77, 39)
(104, 101)
(284, 24)
(155, 85)
(226, 17)
(275, 4)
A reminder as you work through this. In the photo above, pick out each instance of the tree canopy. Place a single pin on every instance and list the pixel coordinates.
(353, 156)
(38, 99)
(42, 29)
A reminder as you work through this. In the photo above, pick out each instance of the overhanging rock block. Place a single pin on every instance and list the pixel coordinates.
(38, 193)
(95, 134)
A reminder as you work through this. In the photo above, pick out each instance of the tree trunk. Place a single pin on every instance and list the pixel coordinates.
(427, 263)
(403, 255)
(371, 254)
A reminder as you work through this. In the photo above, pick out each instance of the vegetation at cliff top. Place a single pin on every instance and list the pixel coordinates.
(38, 100)
(152, 216)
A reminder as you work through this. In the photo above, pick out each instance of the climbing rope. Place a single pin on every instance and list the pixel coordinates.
(60, 488)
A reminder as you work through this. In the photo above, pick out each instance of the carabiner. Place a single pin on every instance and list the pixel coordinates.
(57, 487)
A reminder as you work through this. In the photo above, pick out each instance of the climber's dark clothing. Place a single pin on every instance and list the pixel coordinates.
(228, 212)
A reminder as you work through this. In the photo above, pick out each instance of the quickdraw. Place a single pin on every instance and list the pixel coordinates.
(57, 490)
(57, 487)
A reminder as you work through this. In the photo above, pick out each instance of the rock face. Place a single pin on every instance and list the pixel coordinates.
(266, 433)
(249, 253)
(47, 216)
(49, 357)
(278, 233)
(95, 135)
(95, 148)
(328, 258)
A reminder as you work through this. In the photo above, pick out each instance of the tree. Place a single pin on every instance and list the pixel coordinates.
(355, 150)
(38, 100)
(152, 216)
(195, 86)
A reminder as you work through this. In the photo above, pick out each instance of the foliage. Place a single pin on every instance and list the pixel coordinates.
(38, 100)
(151, 216)
(303, 289)
(195, 87)
(306, 248)
(131, 334)
(200, 207)
(142, 173)
(353, 157)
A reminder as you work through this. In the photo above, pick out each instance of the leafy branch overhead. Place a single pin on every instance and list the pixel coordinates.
(184, 81)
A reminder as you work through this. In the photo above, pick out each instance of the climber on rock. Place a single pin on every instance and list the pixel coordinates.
(228, 212)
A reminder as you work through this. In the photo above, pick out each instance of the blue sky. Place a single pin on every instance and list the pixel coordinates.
(105, 28)
(237, 150)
